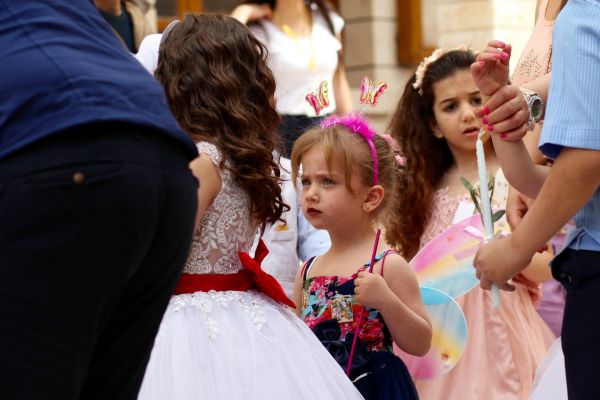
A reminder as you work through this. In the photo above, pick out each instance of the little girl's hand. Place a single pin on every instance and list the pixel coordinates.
(491, 69)
(370, 289)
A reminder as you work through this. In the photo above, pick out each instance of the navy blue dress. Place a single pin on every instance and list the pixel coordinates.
(329, 309)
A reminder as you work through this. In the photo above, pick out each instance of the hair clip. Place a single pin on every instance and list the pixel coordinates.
(168, 30)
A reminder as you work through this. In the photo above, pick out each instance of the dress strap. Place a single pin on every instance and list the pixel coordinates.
(306, 267)
(385, 254)
(378, 257)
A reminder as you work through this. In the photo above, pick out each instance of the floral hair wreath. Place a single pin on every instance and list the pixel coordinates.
(422, 68)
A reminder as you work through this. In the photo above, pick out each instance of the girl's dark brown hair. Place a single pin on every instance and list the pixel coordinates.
(427, 157)
(221, 91)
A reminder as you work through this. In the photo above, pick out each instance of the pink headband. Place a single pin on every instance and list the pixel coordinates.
(359, 126)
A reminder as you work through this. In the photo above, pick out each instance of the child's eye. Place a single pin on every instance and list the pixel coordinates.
(476, 101)
(305, 182)
(327, 181)
(450, 107)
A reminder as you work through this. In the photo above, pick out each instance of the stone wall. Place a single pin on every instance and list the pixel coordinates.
(371, 46)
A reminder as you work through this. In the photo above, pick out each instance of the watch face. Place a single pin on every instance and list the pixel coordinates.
(537, 108)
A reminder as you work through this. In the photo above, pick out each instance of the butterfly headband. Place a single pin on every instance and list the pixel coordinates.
(369, 96)
(358, 125)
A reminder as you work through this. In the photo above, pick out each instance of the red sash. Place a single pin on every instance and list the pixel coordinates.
(252, 277)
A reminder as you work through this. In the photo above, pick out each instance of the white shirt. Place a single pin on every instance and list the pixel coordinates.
(294, 241)
(289, 59)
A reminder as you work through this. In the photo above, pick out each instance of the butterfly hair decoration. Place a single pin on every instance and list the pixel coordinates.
(370, 91)
(319, 99)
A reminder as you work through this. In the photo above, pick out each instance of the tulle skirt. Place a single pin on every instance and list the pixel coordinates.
(550, 379)
(239, 345)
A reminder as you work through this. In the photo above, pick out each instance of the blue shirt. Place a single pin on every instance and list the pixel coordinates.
(573, 111)
(62, 66)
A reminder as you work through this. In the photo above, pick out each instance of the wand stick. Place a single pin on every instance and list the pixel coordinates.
(371, 264)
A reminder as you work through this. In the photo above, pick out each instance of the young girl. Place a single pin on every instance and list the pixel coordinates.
(221, 338)
(436, 128)
(349, 178)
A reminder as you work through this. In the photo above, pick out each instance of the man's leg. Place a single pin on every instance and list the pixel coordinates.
(79, 221)
(579, 271)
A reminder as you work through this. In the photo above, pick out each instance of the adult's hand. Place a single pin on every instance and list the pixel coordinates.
(252, 12)
(499, 260)
(517, 205)
(506, 113)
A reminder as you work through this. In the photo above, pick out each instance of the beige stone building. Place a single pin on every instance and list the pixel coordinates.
(385, 39)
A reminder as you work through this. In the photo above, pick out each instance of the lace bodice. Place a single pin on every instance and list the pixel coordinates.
(442, 214)
(225, 228)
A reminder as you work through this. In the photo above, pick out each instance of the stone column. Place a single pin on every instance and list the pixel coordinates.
(447, 23)
(371, 50)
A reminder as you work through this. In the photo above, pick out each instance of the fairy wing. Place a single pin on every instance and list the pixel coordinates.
(449, 338)
(446, 262)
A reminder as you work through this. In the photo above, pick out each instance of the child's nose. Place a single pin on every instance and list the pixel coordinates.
(468, 113)
(311, 193)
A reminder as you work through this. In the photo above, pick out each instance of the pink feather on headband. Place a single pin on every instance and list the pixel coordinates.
(358, 125)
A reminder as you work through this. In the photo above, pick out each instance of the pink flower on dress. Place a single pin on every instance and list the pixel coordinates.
(371, 332)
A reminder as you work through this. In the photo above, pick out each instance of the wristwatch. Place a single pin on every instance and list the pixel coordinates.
(535, 106)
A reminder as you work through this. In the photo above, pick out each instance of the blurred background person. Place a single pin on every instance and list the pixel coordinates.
(132, 20)
(304, 44)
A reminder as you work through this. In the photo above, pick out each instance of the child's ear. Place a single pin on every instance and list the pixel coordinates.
(374, 198)
(436, 130)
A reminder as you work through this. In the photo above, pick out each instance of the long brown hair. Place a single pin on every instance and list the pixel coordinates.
(427, 157)
(221, 91)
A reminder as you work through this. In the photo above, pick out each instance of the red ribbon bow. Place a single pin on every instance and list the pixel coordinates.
(264, 282)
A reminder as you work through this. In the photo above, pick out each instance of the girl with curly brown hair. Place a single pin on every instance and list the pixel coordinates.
(436, 127)
(227, 333)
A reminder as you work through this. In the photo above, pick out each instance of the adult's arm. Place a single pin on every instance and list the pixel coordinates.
(576, 172)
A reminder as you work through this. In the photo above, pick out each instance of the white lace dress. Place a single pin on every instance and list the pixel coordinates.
(235, 345)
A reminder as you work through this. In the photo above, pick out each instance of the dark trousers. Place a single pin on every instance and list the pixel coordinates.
(292, 126)
(579, 272)
(95, 225)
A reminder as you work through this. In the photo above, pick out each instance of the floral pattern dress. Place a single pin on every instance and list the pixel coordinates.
(332, 297)
(330, 310)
